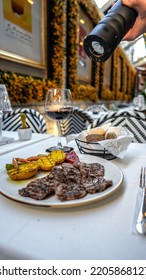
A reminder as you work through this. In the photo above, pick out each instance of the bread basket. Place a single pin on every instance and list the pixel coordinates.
(108, 148)
(96, 149)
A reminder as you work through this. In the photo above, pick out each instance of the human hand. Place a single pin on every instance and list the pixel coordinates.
(139, 26)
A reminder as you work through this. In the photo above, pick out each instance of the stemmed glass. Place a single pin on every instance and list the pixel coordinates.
(58, 108)
(5, 106)
(1, 111)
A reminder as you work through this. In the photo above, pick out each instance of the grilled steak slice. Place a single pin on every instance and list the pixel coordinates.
(96, 169)
(56, 173)
(92, 177)
(70, 191)
(68, 182)
(90, 169)
(38, 189)
(71, 172)
(98, 184)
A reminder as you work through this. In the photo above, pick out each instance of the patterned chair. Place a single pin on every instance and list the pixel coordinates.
(78, 121)
(134, 121)
(12, 121)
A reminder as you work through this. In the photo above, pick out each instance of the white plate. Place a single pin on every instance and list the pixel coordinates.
(9, 188)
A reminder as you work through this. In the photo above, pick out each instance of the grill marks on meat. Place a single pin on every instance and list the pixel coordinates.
(93, 177)
(93, 169)
(38, 189)
(72, 187)
(68, 182)
(71, 173)
(97, 185)
(70, 191)
(42, 187)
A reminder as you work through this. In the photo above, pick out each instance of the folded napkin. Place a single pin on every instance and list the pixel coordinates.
(6, 140)
(118, 146)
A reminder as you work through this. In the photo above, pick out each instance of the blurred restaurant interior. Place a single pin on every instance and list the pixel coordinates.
(42, 47)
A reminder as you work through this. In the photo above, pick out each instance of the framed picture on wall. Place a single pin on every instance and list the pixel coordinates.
(84, 62)
(22, 32)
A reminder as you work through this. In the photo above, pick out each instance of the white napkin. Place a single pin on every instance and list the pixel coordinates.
(6, 140)
(118, 146)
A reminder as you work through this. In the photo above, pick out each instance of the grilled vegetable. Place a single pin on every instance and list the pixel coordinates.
(23, 171)
(22, 168)
(46, 163)
(72, 157)
(9, 166)
(58, 156)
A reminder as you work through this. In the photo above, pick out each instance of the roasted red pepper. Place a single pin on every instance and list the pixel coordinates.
(72, 157)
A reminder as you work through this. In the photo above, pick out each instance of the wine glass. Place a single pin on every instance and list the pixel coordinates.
(58, 108)
(1, 111)
(5, 107)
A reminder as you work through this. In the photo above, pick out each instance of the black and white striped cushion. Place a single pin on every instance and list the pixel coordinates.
(76, 122)
(135, 122)
(12, 121)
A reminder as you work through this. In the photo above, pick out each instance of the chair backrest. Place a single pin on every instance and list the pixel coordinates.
(134, 121)
(12, 120)
(78, 121)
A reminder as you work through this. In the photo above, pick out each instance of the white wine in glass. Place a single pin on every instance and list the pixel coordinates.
(58, 107)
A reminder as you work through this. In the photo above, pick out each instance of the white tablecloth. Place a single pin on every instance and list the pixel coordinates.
(101, 230)
(17, 144)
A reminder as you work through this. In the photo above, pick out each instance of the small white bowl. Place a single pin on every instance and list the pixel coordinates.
(24, 134)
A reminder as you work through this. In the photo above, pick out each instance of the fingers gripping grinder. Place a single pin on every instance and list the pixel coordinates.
(108, 33)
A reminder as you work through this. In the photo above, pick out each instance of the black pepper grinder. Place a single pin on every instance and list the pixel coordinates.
(109, 32)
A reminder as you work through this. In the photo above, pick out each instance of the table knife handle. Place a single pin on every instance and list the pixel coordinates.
(141, 221)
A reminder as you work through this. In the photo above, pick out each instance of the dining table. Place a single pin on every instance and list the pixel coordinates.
(98, 228)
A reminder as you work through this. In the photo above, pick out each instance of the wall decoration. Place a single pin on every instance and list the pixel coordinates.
(56, 23)
(107, 74)
(63, 55)
(122, 78)
(24, 89)
(74, 75)
(18, 13)
(23, 32)
(120, 73)
(84, 62)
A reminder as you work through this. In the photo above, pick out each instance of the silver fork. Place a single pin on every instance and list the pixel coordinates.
(141, 221)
